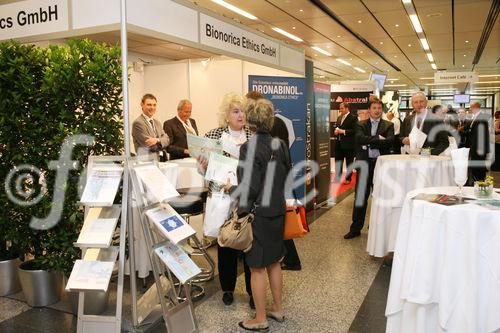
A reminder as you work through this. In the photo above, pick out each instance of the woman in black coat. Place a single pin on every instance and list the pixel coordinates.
(264, 165)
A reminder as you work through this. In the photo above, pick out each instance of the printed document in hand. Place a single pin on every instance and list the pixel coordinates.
(198, 145)
(178, 262)
(90, 275)
(231, 145)
(157, 184)
(169, 223)
(417, 139)
(101, 186)
(221, 168)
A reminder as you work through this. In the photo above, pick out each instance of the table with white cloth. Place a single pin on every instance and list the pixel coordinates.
(394, 177)
(181, 173)
(446, 269)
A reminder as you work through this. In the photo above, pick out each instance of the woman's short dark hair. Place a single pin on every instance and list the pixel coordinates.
(260, 115)
(436, 108)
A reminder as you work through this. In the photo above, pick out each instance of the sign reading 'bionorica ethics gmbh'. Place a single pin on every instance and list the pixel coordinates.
(455, 77)
(222, 35)
(33, 17)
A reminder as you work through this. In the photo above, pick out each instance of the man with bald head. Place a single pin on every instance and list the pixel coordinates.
(422, 119)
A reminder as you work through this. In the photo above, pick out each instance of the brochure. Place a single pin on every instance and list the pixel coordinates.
(221, 169)
(158, 187)
(178, 262)
(102, 186)
(231, 145)
(198, 145)
(170, 224)
(443, 199)
(90, 275)
(99, 227)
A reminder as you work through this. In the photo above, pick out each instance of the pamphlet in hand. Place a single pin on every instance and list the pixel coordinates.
(169, 223)
(178, 262)
(102, 186)
(157, 184)
(90, 275)
(198, 145)
(443, 199)
(221, 169)
(417, 139)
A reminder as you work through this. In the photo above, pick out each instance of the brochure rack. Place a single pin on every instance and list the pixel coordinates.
(93, 272)
(177, 314)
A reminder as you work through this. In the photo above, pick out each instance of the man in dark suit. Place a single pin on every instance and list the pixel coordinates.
(177, 129)
(147, 134)
(374, 137)
(462, 124)
(434, 127)
(478, 140)
(344, 148)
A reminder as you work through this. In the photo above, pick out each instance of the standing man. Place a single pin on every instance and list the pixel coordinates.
(374, 137)
(432, 126)
(177, 129)
(397, 127)
(344, 149)
(478, 140)
(147, 134)
(462, 125)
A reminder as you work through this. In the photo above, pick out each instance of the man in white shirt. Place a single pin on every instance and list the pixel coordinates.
(177, 129)
(147, 134)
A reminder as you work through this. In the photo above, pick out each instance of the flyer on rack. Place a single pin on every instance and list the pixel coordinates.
(178, 262)
(170, 224)
(102, 186)
(157, 184)
(198, 145)
(221, 169)
(90, 275)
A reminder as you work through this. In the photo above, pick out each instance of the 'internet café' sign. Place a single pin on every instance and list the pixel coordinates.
(33, 17)
(455, 77)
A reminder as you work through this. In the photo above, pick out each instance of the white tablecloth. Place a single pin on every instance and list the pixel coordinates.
(446, 269)
(394, 177)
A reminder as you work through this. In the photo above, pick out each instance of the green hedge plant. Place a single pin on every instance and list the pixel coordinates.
(47, 95)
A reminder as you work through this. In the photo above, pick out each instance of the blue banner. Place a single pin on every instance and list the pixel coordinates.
(288, 96)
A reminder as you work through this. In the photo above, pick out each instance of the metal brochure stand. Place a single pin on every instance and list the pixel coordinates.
(103, 252)
(178, 315)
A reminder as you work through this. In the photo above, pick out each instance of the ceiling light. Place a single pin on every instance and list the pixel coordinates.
(489, 75)
(235, 9)
(360, 51)
(465, 55)
(393, 79)
(320, 50)
(381, 43)
(433, 66)
(293, 28)
(343, 62)
(425, 45)
(409, 45)
(463, 65)
(338, 36)
(430, 57)
(416, 23)
(466, 41)
(426, 78)
(301, 10)
(440, 84)
(360, 70)
(406, 2)
(395, 56)
(395, 85)
(359, 21)
(486, 88)
(486, 82)
(396, 25)
(287, 34)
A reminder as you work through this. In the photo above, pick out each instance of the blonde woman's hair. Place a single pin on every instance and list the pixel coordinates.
(260, 115)
(229, 102)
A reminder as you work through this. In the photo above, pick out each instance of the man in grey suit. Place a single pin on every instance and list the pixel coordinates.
(147, 132)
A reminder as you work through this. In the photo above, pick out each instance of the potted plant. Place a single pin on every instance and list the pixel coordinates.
(9, 258)
(483, 189)
(46, 96)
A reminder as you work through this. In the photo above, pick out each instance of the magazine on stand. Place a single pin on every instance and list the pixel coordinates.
(221, 169)
(102, 186)
(158, 187)
(198, 145)
(177, 261)
(90, 275)
(169, 223)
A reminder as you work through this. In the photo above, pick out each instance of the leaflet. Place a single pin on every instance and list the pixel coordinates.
(221, 169)
(102, 186)
(157, 184)
(90, 275)
(178, 262)
(231, 145)
(170, 224)
(198, 145)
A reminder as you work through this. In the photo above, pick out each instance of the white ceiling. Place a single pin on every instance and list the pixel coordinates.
(316, 28)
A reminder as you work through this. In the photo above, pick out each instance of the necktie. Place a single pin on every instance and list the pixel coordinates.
(189, 128)
(153, 126)
(419, 122)
(374, 153)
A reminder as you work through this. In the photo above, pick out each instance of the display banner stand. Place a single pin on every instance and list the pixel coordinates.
(93, 272)
(167, 258)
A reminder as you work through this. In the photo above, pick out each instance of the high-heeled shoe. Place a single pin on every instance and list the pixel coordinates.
(258, 327)
(279, 317)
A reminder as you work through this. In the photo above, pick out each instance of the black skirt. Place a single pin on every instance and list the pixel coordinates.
(267, 246)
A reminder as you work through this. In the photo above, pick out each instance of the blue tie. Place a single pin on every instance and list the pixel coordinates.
(374, 153)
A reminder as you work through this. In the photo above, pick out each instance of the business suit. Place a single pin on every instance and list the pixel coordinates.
(478, 140)
(142, 129)
(439, 142)
(178, 138)
(344, 148)
(367, 144)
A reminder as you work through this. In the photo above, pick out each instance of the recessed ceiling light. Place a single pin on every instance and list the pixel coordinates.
(487, 82)
(360, 51)
(301, 10)
(416, 23)
(425, 44)
(396, 25)
(287, 34)
(393, 80)
(466, 41)
(463, 65)
(235, 9)
(395, 56)
(350, 58)
(343, 62)
(315, 55)
(182, 48)
(381, 43)
(359, 21)
(293, 28)
(465, 55)
(430, 57)
(433, 66)
(395, 85)
(406, 2)
(489, 75)
(409, 45)
(320, 50)
(360, 70)
(338, 36)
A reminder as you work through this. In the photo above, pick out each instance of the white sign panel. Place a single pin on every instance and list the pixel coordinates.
(33, 17)
(455, 77)
(227, 37)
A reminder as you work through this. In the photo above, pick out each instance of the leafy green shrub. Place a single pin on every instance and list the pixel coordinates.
(46, 95)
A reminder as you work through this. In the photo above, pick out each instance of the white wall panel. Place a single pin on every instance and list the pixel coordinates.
(93, 13)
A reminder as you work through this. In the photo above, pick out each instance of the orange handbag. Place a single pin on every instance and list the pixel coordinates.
(295, 222)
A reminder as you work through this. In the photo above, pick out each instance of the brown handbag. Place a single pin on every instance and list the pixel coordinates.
(236, 233)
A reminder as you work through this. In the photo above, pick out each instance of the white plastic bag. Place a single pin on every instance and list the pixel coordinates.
(216, 212)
